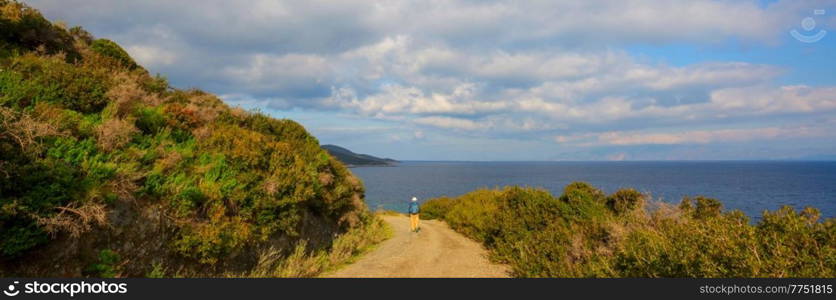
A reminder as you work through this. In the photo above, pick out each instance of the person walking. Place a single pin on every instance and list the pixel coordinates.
(414, 209)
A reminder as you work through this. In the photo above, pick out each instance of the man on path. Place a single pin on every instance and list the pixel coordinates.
(414, 209)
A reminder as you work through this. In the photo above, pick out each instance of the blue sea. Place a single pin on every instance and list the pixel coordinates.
(750, 186)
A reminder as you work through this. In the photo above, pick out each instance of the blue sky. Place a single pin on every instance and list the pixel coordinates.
(503, 80)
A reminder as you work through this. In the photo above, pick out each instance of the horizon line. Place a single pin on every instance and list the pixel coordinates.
(637, 160)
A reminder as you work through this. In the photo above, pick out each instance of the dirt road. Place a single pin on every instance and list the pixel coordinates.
(435, 251)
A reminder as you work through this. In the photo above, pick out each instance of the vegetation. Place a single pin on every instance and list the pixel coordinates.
(110, 49)
(585, 233)
(300, 263)
(107, 266)
(109, 171)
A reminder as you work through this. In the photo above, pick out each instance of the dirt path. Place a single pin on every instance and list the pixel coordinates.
(435, 251)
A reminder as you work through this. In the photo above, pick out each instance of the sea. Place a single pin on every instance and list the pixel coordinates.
(750, 186)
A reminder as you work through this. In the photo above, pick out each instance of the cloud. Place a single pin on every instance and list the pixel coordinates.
(152, 56)
(701, 136)
(705, 136)
(401, 100)
(451, 123)
(297, 75)
(533, 71)
(785, 99)
(473, 84)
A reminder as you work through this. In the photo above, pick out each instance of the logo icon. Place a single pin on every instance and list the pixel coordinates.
(809, 24)
(12, 290)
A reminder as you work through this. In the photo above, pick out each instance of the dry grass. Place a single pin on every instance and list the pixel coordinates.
(202, 132)
(303, 263)
(126, 94)
(124, 185)
(14, 11)
(170, 159)
(326, 178)
(115, 133)
(74, 219)
(271, 186)
(239, 113)
(205, 114)
(24, 130)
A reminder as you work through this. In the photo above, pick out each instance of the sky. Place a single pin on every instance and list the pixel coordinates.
(504, 80)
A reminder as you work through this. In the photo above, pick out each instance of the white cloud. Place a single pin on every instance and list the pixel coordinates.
(400, 100)
(703, 136)
(442, 80)
(595, 21)
(549, 70)
(785, 99)
(285, 72)
(452, 123)
(151, 56)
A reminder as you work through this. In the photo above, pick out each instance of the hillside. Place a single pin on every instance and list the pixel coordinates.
(353, 159)
(108, 171)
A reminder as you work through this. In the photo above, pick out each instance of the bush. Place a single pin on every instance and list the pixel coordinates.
(24, 29)
(31, 79)
(115, 133)
(625, 200)
(110, 49)
(580, 192)
(583, 233)
(150, 120)
(35, 190)
(475, 215)
(701, 207)
(436, 208)
(107, 265)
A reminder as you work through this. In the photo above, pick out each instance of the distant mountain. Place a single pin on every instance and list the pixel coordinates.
(354, 159)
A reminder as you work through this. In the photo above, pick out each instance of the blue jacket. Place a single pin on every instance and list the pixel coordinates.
(413, 207)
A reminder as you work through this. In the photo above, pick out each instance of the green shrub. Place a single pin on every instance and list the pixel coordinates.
(584, 233)
(157, 271)
(19, 236)
(157, 84)
(110, 49)
(436, 208)
(24, 29)
(701, 207)
(150, 120)
(31, 79)
(37, 188)
(625, 200)
(476, 214)
(580, 192)
(107, 265)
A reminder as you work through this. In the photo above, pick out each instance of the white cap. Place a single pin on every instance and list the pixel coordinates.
(414, 199)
